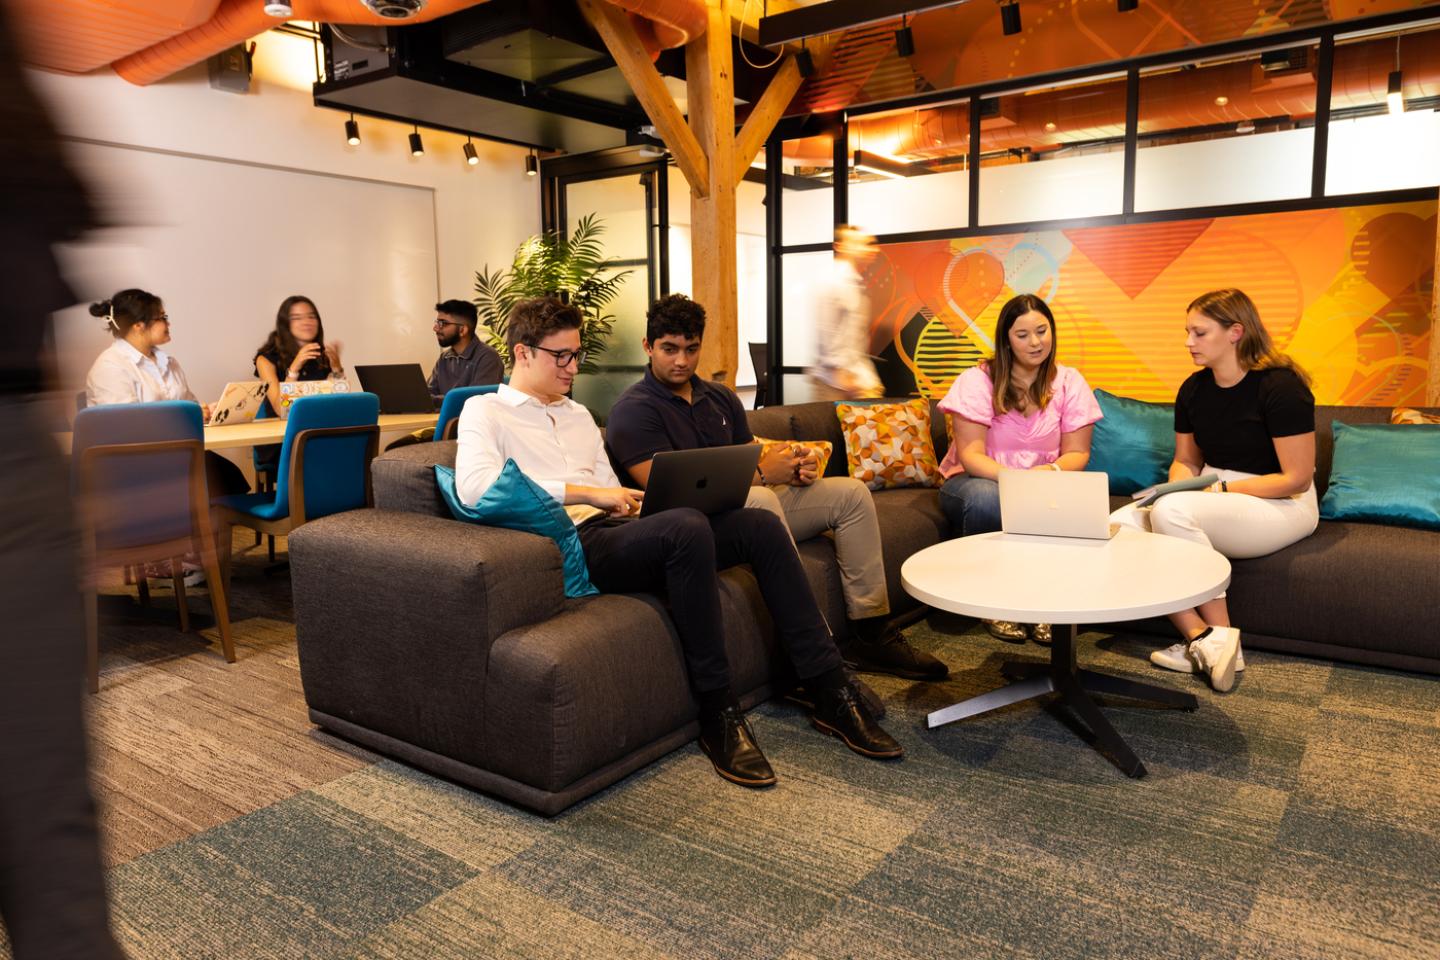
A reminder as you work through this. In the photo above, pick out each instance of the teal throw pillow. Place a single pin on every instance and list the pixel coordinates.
(1134, 443)
(516, 502)
(1383, 473)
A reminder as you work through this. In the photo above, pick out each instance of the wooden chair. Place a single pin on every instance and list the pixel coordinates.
(143, 498)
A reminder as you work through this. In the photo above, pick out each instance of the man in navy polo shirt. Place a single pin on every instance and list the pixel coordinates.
(673, 409)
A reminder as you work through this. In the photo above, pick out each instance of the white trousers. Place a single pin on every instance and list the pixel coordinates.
(1236, 524)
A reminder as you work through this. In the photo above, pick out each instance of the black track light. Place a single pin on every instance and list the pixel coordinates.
(417, 149)
(804, 62)
(1125, 6)
(352, 131)
(1010, 17)
(532, 164)
(904, 39)
(471, 157)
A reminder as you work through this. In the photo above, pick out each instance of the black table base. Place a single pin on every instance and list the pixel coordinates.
(1074, 686)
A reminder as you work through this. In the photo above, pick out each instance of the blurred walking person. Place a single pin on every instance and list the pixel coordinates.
(844, 369)
(52, 888)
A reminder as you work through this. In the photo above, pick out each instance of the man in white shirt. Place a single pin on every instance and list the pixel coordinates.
(556, 443)
(843, 369)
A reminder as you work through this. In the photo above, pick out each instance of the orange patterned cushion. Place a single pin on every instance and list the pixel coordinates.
(821, 448)
(1406, 415)
(888, 444)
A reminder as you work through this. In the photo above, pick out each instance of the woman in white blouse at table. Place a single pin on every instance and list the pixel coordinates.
(134, 369)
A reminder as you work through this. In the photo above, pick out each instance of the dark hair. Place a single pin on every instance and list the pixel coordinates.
(128, 308)
(1007, 396)
(281, 346)
(462, 310)
(1255, 351)
(535, 319)
(674, 314)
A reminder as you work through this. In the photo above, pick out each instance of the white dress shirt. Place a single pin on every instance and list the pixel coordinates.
(553, 443)
(842, 330)
(122, 374)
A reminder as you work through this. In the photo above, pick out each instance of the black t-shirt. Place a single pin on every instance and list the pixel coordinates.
(1235, 426)
(648, 419)
(315, 369)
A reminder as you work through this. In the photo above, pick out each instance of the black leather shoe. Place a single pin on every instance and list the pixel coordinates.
(801, 694)
(840, 713)
(726, 739)
(893, 655)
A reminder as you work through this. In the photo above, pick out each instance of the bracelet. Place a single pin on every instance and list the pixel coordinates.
(761, 473)
(1054, 465)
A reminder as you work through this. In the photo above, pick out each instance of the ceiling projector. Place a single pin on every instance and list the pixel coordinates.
(394, 9)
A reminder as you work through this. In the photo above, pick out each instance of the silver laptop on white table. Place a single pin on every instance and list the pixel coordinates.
(1056, 503)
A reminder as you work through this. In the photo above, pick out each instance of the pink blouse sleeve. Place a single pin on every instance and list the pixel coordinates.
(970, 397)
(1079, 407)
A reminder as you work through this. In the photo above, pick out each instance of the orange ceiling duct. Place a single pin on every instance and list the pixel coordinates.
(1169, 101)
(148, 40)
(77, 36)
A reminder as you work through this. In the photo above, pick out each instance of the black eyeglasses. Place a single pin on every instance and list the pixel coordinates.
(442, 324)
(563, 358)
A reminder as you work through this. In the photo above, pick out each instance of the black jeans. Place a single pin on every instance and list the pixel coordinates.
(52, 891)
(680, 551)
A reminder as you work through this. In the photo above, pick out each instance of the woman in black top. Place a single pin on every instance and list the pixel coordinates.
(1247, 416)
(296, 349)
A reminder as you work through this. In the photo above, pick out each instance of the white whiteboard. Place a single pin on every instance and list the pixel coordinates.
(223, 242)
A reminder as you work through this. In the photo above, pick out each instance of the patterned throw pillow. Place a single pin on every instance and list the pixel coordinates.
(888, 444)
(822, 449)
(1406, 415)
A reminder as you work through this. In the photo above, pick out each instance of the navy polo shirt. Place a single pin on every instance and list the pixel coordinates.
(648, 419)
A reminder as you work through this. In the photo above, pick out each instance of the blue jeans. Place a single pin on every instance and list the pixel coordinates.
(971, 504)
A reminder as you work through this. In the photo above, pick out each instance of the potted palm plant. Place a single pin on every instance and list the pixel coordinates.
(573, 268)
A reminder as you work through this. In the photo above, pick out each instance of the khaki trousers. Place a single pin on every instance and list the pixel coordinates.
(842, 505)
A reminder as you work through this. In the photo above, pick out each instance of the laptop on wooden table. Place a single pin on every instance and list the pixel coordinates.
(401, 387)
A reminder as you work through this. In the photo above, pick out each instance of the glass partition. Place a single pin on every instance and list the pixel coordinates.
(1053, 153)
(1227, 132)
(909, 170)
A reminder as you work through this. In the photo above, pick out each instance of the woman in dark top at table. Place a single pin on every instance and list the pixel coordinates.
(295, 350)
(1248, 417)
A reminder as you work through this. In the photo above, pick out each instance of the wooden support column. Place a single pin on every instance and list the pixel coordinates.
(1432, 382)
(710, 86)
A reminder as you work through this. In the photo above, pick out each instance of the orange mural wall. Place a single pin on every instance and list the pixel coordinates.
(1348, 292)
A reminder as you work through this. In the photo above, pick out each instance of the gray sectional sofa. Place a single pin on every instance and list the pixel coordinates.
(452, 646)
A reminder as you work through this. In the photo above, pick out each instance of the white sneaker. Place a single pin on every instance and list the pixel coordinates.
(1177, 657)
(1215, 655)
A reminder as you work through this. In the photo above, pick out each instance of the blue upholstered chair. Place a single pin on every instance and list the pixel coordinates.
(139, 476)
(448, 422)
(324, 468)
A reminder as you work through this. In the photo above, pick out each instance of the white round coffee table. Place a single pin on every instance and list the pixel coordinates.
(1058, 580)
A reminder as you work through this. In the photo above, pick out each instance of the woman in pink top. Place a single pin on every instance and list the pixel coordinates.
(1020, 410)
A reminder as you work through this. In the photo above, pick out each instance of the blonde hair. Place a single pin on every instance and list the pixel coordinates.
(1255, 350)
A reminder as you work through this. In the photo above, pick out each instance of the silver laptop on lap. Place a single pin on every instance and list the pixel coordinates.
(710, 479)
(1056, 503)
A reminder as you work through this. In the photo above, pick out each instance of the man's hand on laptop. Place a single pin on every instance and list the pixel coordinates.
(616, 501)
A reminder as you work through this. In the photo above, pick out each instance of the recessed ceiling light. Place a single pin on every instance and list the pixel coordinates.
(1050, 127)
(1221, 100)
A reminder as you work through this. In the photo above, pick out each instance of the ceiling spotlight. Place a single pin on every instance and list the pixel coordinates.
(1125, 6)
(417, 149)
(532, 164)
(1221, 100)
(471, 157)
(1050, 126)
(1395, 94)
(804, 62)
(352, 131)
(1010, 17)
(904, 39)
(279, 9)
(1395, 89)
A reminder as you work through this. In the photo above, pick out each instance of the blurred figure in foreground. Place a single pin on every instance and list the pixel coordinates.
(843, 367)
(52, 889)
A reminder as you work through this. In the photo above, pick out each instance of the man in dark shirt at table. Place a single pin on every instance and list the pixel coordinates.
(465, 361)
(673, 409)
